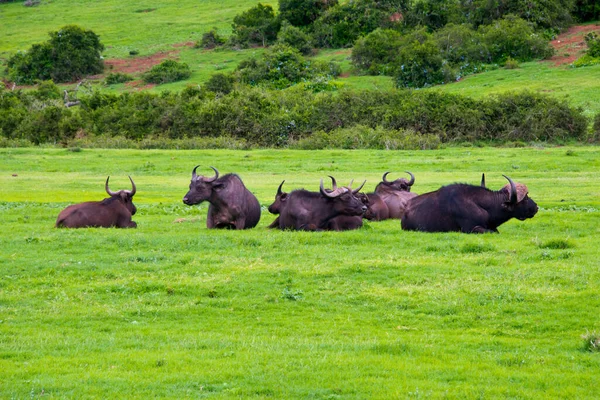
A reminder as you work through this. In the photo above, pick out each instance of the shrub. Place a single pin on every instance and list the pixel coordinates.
(117, 77)
(258, 25)
(514, 37)
(220, 83)
(210, 40)
(283, 66)
(70, 54)
(510, 63)
(167, 71)
(586, 61)
(294, 37)
(596, 128)
(586, 10)
(591, 342)
(433, 14)
(377, 52)
(462, 46)
(419, 62)
(343, 24)
(303, 12)
(593, 43)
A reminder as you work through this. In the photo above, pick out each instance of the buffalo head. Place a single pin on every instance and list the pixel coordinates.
(344, 198)
(125, 196)
(517, 201)
(280, 199)
(201, 187)
(400, 183)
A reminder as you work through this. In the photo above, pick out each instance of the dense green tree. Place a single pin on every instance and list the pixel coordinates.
(71, 53)
(257, 25)
(586, 10)
(295, 37)
(377, 52)
(420, 63)
(303, 12)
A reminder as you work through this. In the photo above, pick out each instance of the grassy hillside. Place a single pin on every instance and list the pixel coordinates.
(172, 309)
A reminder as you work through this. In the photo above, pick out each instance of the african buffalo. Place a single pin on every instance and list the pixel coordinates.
(468, 208)
(304, 210)
(115, 210)
(377, 209)
(231, 204)
(395, 194)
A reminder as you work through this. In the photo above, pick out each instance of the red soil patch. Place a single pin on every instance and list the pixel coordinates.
(185, 44)
(570, 45)
(136, 64)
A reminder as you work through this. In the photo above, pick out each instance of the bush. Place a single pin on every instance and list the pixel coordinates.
(434, 14)
(281, 67)
(210, 40)
(167, 71)
(294, 37)
(220, 83)
(303, 12)
(462, 46)
(510, 63)
(258, 25)
(514, 37)
(342, 25)
(593, 43)
(70, 54)
(420, 63)
(376, 53)
(586, 10)
(596, 128)
(117, 77)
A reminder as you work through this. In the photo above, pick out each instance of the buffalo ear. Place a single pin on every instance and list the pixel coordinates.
(219, 185)
(283, 197)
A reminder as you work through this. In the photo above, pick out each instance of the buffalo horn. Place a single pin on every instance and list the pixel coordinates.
(333, 182)
(384, 175)
(324, 193)
(356, 190)
(279, 188)
(133, 189)
(412, 179)
(214, 178)
(513, 190)
(110, 192)
(483, 180)
(194, 172)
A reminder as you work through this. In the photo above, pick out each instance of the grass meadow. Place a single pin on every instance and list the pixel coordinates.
(171, 309)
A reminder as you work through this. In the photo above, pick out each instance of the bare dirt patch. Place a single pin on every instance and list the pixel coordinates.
(136, 65)
(570, 45)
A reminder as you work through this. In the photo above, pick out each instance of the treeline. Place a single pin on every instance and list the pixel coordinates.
(295, 117)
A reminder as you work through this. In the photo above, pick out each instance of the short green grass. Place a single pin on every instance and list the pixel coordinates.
(172, 309)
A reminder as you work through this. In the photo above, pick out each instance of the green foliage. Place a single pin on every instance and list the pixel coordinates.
(343, 24)
(303, 12)
(511, 63)
(514, 37)
(167, 71)
(593, 43)
(596, 128)
(70, 54)
(542, 14)
(462, 47)
(586, 10)
(434, 14)
(210, 40)
(591, 342)
(117, 77)
(365, 137)
(257, 25)
(377, 52)
(282, 66)
(419, 62)
(220, 83)
(295, 37)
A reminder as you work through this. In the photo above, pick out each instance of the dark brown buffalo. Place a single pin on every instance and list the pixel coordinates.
(377, 209)
(304, 210)
(395, 194)
(115, 210)
(468, 208)
(232, 206)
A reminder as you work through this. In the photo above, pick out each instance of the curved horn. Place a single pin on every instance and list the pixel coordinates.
(383, 177)
(483, 180)
(333, 182)
(513, 190)
(279, 188)
(110, 192)
(324, 193)
(214, 178)
(133, 188)
(360, 187)
(194, 172)
(412, 179)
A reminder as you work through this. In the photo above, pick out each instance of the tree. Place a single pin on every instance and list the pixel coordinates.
(70, 54)
(303, 12)
(257, 25)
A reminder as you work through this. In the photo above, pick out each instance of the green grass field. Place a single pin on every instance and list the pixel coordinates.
(172, 309)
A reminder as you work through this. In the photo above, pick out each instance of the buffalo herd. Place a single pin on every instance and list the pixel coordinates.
(456, 207)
